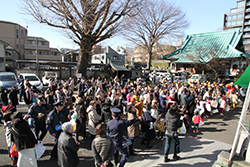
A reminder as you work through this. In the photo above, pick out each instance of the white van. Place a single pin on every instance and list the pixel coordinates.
(47, 75)
(33, 79)
(197, 78)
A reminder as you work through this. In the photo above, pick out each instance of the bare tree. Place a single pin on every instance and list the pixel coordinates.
(87, 22)
(156, 20)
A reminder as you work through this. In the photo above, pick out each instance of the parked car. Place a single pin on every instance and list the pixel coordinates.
(159, 75)
(47, 75)
(197, 78)
(7, 80)
(33, 79)
(179, 79)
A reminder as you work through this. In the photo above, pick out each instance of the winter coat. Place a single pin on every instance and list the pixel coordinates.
(35, 110)
(133, 130)
(81, 112)
(60, 96)
(106, 113)
(7, 126)
(54, 119)
(4, 98)
(139, 108)
(103, 149)
(27, 97)
(50, 101)
(68, 98)
(149, 98)
(172, 122)
(13, 97)
(67, 150)
(94, 119)
(22, 136)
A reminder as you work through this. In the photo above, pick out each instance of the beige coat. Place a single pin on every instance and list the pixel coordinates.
(133, 130)
(94, 118)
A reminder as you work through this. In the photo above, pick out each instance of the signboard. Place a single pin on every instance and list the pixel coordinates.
(78, 75)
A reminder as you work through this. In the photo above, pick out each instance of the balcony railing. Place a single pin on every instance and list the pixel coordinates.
(247, 17)
(246, 36)
(248, 10)
(247, 23)
(246, 29)
(248, 4)
(246, 42)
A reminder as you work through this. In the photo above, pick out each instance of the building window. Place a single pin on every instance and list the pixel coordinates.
(41, 43)
(8, 54)
(21, 34)
(22, 46)
(115, 57)
(16, 33)
(17, 46)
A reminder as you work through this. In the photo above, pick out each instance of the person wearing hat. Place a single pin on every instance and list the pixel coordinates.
(173, 122)
(67, 147)
(115, 128)
(54, 123)
(38, 111)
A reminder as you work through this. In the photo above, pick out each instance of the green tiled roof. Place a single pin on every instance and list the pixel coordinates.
(205, 46)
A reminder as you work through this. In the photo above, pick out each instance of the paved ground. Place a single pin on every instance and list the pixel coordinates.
(196, 149)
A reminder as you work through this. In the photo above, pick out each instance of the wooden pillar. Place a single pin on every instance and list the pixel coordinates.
(69, 71)
(60, 72)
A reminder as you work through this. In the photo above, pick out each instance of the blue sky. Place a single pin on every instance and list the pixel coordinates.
(204, 16)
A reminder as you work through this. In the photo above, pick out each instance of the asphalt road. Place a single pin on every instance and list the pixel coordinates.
(221, 128)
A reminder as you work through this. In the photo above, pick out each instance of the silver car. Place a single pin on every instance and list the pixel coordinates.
(7, 80)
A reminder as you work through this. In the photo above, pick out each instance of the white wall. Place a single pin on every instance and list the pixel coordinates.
(2, 54)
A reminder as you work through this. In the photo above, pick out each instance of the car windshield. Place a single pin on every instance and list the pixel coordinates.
(51, 74)
(32, 78)
(7, 78)
(195, 77)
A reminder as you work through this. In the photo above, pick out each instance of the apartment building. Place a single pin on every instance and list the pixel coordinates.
(239, 17)
(42, 47)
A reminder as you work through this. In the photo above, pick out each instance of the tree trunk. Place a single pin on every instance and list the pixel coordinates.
(83, 59)
(149, 58)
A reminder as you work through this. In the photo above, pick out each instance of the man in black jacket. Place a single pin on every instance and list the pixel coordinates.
(173, 122)
(54, 124)
(38, 111)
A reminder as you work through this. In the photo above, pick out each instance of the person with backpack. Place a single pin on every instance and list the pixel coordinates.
(173, 122)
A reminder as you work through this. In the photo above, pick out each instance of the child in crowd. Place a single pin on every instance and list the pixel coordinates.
(234, 99)
(222, 105)
(196, 120)
(160, 123)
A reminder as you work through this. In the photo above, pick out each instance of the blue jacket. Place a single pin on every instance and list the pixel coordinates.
(115, 128)
(55, 120)
(35, 109)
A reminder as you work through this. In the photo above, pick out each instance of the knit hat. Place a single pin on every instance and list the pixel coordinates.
(66, 127)
(174, 107)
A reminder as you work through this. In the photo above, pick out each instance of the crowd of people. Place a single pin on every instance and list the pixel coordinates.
(108, 108)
